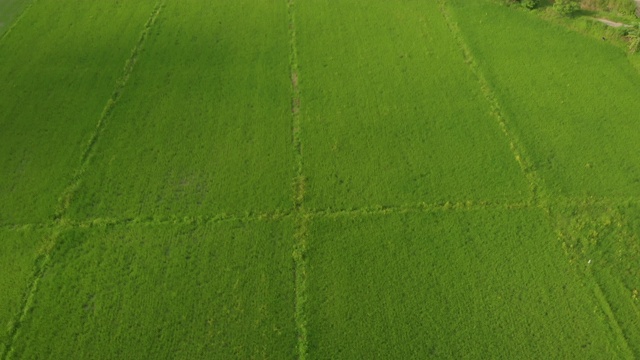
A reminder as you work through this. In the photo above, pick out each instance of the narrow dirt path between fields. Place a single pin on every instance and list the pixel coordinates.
(611, 23)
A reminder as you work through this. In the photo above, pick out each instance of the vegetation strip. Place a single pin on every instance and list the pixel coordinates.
(613, 321)
(41, 264)
(302, 218)
(515, 146)
(178, 220)
(317, 213)
(67, 195)
(418, 207)
(17, 20)
(29, 227)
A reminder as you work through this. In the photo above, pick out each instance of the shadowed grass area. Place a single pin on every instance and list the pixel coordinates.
(57, 74)
(10, 10)
(204, 125)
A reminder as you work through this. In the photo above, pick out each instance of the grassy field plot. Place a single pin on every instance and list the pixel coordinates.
(9, 11)
(390, 112)
(204, 125)
(456, 285)
(572, 99)
(18, 253)
(218, 291)
(56, 76)
(603, 241)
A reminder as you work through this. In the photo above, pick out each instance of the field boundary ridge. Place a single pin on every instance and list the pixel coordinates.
(299, 253)
(40, 266)
(417, 207)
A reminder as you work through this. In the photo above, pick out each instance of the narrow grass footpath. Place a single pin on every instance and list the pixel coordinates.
(540, 196)
(371, 210)
(60, 224)
(302, 217)
(40, 266)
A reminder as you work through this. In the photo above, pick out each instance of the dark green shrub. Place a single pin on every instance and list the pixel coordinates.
(529, 4)
(566, 7)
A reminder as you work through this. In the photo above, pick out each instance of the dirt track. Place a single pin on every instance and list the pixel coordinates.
(611, 23)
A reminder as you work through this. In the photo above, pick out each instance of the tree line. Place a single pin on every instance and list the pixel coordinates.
(570, 7)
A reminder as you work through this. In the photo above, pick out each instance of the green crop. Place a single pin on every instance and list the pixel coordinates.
(215, 291)
(391, 114)
(315, 179)
(57, 73)
(572, 100)
(204, 124)
(477, 284)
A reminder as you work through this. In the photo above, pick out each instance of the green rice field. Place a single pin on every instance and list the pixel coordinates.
(314, 179)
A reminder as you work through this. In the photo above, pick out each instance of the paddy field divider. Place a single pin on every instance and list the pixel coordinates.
(301, 216)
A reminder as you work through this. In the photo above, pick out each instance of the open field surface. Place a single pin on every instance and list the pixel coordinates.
(449, 285)
(315, 180)
(390, 112)
(573, 100)
(211, 291)
(226, 147)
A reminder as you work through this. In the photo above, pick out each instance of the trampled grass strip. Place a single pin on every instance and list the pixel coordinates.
(418, 207)
(295, 109)
(302, 218)
(178, 220)
(518, 150)
(17, 20)
(40, 266)
(300, 263)
(611, 317)
(129, 66)
(29, 226)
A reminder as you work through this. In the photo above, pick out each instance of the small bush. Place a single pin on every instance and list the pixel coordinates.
(566, 7)
(529, 4)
